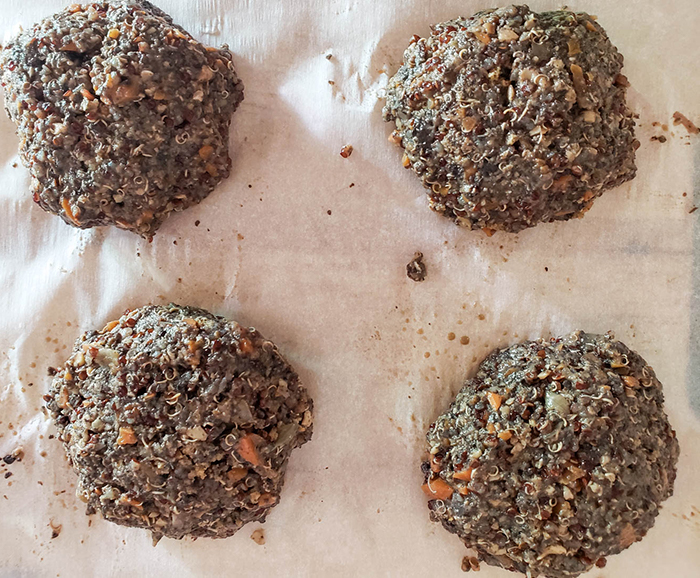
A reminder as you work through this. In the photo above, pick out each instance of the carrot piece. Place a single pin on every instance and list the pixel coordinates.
(69, 212)
(245, 345)
(246, 449)
(464, 475)
(494, 399)
(437, 489)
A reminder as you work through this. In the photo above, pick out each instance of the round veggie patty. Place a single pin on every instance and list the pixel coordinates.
(553, 456)
(179, 421)
(123, 117)
(512, 118)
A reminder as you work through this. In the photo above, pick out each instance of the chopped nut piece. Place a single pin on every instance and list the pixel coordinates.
(126, 436)
(258, 536)
(507, 35)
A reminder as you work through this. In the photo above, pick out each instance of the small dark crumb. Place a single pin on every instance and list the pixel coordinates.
(14, 165)
(685, 194)
(258, 536)
(7, 474)
(174, 242)
(196, 223)
(546, 269)
(416, 269)
(51, 371)
(346, 151)
(329, 56)
(660, 138)
(601, 562)
(329, 212)
(51, 436)
(16, 456)
(693, 210)
(240, 237)
(689, 125)
(351, 185)
(250, 187)
(55, 530)
(331, 82)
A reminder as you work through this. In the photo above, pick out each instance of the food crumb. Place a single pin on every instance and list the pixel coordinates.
(416, 270)
(329, 212)
(692, 210)
(55, 529)
(351, 185)
(689, 125)
(16, 456)
(346, 151)
(470, 563)
(258, 536)
(196, 223)
(329, 56)
(661, 138)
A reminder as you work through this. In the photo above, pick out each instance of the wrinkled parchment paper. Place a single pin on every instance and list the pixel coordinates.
(311, 249)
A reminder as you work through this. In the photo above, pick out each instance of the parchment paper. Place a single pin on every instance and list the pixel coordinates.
(311, 249)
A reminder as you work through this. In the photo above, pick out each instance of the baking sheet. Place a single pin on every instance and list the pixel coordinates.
(311, 249)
